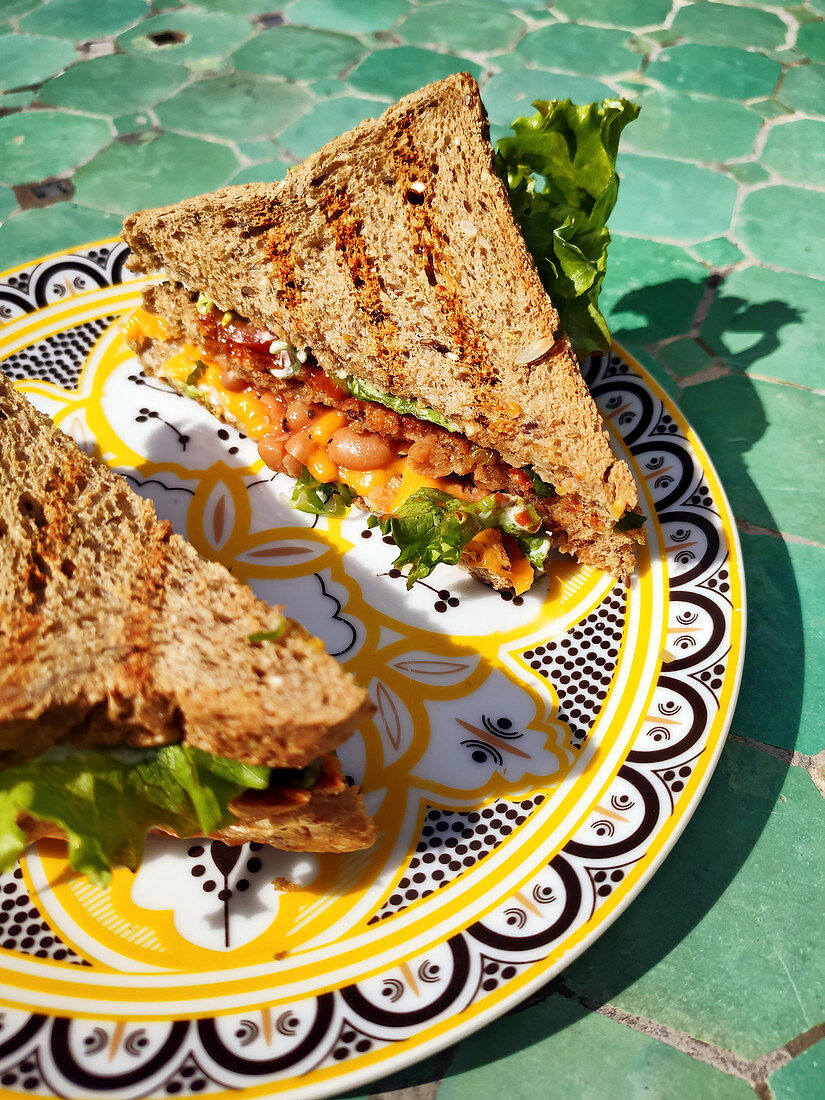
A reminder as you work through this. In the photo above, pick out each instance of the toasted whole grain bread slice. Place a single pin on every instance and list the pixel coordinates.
(392, 253)
(115, 630)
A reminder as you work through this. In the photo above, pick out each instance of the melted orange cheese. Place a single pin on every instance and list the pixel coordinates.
(252, 415)
(143, 323)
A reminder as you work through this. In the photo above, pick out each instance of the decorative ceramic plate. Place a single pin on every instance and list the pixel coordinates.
(531, 761)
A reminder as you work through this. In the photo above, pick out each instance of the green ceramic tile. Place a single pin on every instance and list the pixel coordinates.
(261, 173)
(231, 7)
(34, 233)
(651, 366)
(717, 253)
(15, 99)
(461, 26)
(796, 151)
(634, 88)
(206, 37)
(786, 644)
(722, 944)
(329, 87)
(722, 70)
(747, 424)
(132, 124)
(771, 323)
(8, 202)
(769, 108)
(661, 38)
(241, 106)
(577, 49)
(37, 144)
(645, 44)
(549, 1049)
(425, 1073)
(506, 63)
(797, 247)
(803, 89)
(508, 96)
(332, 15)
(29, 58)
(728, 25)
(127, 177)
(325, 121)
(802, 14)
(672, 124)
(748, 172)
(810, 41)
(786, 57)
(257, 150)
(652, 200)
(803, 1077)
(395, 72)
(13, 8)
(650, 291)
(116, 84)
(78, 19)
(298, 53)
(629, 14)
(684, 357)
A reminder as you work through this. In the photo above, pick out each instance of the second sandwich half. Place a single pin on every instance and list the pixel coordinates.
(377, 323)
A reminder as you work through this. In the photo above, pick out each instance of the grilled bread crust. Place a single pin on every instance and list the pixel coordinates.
(392, 253)
(115, 630)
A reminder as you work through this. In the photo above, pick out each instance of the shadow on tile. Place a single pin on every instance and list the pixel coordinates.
(701, 949)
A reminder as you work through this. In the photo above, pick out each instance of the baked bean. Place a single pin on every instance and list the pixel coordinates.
(360, 450)
(232, 381)
(300, 446)
(299, 414)
(272, 449)
(292, 466)
(274, 405)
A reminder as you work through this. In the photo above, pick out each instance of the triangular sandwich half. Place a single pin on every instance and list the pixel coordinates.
(122, 647)
(381, 317)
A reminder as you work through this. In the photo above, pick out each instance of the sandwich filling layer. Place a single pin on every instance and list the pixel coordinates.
(442, 497)
(105, 800)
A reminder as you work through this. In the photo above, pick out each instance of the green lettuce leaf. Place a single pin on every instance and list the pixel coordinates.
(560, 170)
(630, 521)
(432, 528)
(320, 498)
(365, 391)
(106, 800)
(536, 548)
(543, 489)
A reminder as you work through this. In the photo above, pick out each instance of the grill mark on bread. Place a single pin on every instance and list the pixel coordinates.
(268, 220)
(347, 228)
(414, 175)
(149, 586)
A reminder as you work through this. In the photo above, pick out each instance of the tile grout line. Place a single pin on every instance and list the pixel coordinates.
(813, 765)
(754, 529)
(753, 1071)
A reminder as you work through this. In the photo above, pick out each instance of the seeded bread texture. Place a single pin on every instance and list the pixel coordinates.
(392, 253)
(114, 629)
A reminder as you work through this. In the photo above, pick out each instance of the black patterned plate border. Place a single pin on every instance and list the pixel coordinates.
(355, 1033)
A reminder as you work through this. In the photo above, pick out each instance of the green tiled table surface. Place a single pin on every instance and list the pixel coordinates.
(712, 984)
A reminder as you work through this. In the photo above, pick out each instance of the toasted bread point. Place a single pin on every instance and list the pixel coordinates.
(115, 630)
